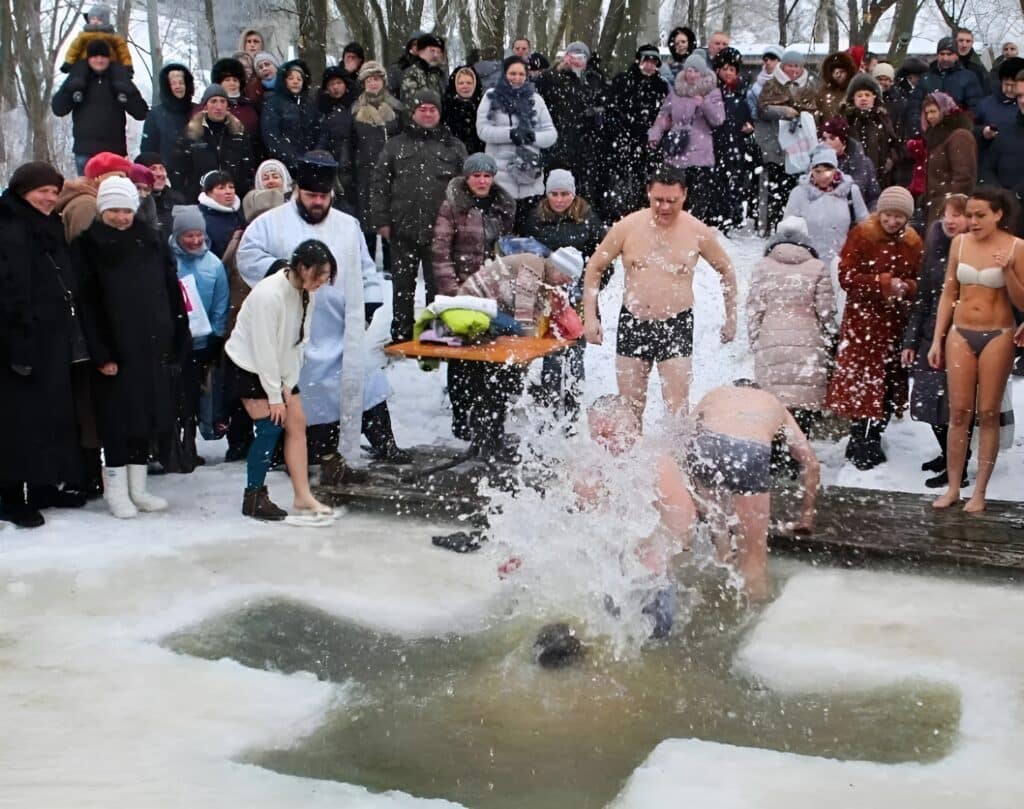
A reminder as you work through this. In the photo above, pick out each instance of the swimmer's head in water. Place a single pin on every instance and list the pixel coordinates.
(557, 646)
(613, 424)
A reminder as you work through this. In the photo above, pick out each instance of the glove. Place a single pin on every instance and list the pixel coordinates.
(22, 370)
(78, 97)
(516, 136)
(369, 309)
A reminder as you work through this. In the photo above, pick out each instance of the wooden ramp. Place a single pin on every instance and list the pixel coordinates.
(852, 524)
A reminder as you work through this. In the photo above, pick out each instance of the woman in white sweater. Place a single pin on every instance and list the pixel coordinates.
(264, 357)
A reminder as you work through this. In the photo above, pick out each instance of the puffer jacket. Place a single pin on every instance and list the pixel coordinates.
(790, 321)
(208, 146)
(290, 122)
(465, 233)
(98, 114)
(697, 107)
(212, 283)
(958, 83)
(167, 120)
(410, 180)
(829, 214)
(496, 133)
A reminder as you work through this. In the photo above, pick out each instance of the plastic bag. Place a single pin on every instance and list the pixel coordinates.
(198, 321)
(797, 137)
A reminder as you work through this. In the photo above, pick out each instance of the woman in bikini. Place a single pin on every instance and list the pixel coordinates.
(975, 329)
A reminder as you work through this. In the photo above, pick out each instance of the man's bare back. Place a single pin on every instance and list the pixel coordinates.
(743, 413)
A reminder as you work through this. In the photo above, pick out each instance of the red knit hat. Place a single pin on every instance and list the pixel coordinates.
(837, 127)
(104, 163)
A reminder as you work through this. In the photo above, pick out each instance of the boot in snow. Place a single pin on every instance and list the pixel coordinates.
(115, 492)
(335, 472)
(256, 503)
(142, 499)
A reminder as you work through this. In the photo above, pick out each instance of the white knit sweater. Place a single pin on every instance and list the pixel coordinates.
(266, 334)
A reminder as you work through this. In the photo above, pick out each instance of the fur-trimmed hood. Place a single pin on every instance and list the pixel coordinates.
(194, 130)
(832, 61)
(459, 197)
(167, 98)
(281, 87)
(702, 87)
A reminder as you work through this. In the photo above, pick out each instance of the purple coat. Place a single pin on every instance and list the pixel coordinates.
(681, 110)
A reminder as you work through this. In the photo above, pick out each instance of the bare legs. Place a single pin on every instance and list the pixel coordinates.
(974, 382)
(632, 376)
(747, 518)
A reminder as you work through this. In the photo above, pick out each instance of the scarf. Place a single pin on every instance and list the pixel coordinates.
(517, 101)
(375, 109)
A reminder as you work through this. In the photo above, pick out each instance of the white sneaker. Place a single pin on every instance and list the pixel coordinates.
(115, 492)
(145, 501)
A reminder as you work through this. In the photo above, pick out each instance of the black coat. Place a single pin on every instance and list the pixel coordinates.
(134, 316)
(98, 115)
(290, 123)
(336, 136)
(165, 201)
(168, 119)
(459, 114)
(1005, 164)
(562, 230)
(369, 141)
(960, 84)
(38, 440)
(207, 146)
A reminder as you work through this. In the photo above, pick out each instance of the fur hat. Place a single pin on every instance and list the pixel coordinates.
(896, 198)
(372, 68)
(316, 171)
(1010, 68)
(913, 66)
(213, 91)
(186, 218)
(104, 163)
(259, 202)
(429, 41)
(560, 180)
(99, 10)
(117, 192)
(36, 174)
(884, 69)
(479, 163)
(822, 155)
(568, 260)
(862, 81)
(791, 230)
(729, 56)
(227, 68)
(97, 47)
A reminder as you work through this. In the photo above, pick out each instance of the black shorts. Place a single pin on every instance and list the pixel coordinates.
(242, 384)
(655, 340)
(722, 462)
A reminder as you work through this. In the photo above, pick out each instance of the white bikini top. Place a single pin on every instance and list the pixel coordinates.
(991, 277)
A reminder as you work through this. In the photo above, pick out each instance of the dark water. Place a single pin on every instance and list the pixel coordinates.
(474, 720)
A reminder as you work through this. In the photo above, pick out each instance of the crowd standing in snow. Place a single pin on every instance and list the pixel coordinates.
(223, 281)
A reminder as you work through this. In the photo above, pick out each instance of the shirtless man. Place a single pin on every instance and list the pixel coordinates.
(728, 460)
(660, 247)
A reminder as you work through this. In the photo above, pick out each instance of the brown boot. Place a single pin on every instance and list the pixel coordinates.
(335, 472)
(256, 503)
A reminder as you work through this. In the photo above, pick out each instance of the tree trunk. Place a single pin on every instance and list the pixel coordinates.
(833, 27)
(522, 26)
(358, 22)
(490, 24)
(853, 22)
(312, 44)
(902, 31)
(156, 54)
(585, 20)
(212, 25)
(873, 12)
(611, 30)
(124, 18)
(564, 21)
(727, 13)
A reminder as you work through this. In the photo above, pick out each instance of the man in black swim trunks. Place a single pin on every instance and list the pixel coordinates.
(660, 247)
(728, 458)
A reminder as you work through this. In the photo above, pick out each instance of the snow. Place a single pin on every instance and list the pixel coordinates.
(96, 713)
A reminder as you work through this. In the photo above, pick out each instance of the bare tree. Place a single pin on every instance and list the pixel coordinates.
(156, 53)
(902, 30)
(785, 15)
(953, 11)
(312, 43)
(387, 25)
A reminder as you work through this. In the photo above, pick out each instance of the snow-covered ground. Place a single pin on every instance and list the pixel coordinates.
(96, 713)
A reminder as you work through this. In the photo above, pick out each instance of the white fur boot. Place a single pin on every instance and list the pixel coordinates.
(115, 492)
(145, 501)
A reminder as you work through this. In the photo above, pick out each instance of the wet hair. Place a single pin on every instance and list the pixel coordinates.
(999, 201)
(958, 201)
(667, 175)
(557, 646)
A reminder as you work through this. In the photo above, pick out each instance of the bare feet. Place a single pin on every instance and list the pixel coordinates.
(949, 498)
(976, 504)
(310, 505)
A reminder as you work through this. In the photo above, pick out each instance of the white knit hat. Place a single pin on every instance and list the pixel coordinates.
(117, 192)
(568, 260)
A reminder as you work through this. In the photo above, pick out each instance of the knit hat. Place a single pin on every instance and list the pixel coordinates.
(424, 96)
(822, 155)
(104, 163)
(186, 218)
(227, 68)
(316, 171)
(356, 48)
(862, 81)
(429, 41)
(792, 57)
(791, 230)
(946, 44)
(259, 202)
(837, 127)
(97, 47)
(280, 168)
(1010, 68)
(99, 10)
(36, 174)
(648, 52)
(568, 260)
(117, 192)
(729, 56)
(578, 48)
(897, 199)
(774, 50)
(479, 162)
(560, 180)
(213, 91)
(372, 68)
(149, 159)
(263, 56)
(696, 62)
(913, 66)
(141, 175)
(884, 69)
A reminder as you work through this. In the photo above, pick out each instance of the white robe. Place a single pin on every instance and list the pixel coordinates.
(332, 390)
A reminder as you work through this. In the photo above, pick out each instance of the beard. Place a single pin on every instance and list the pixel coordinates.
(314, 215)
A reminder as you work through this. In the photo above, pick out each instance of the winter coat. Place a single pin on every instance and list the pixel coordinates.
(496, 133)
(209, 146)
(895, 102)
(211, 281)
(353, 89)
(39, 441)
(829, 214)
(996, 111)
(76, 205)
(411, 178)
(488, 72)
(952, 162)
(465, 233)
(729, 139)
(421, 76)
(290, 122)
(133, 315)
(972, 64)
(221, 222)
(562, 230)
(370, 139)
(832, 94)
(167, 120)
(395, 72)
(459, 114)
(336, 136)
(98, 114)
(868, 381)
(697, 108)
(874, 131)
(1005, 164)
(961, 85)
(165, 201)
(245, 111)
(790, 320)
(929, 401)
(857, 164)
(778, 93)
(78, 50)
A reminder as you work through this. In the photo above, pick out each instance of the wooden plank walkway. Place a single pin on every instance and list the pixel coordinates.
(852, 524)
